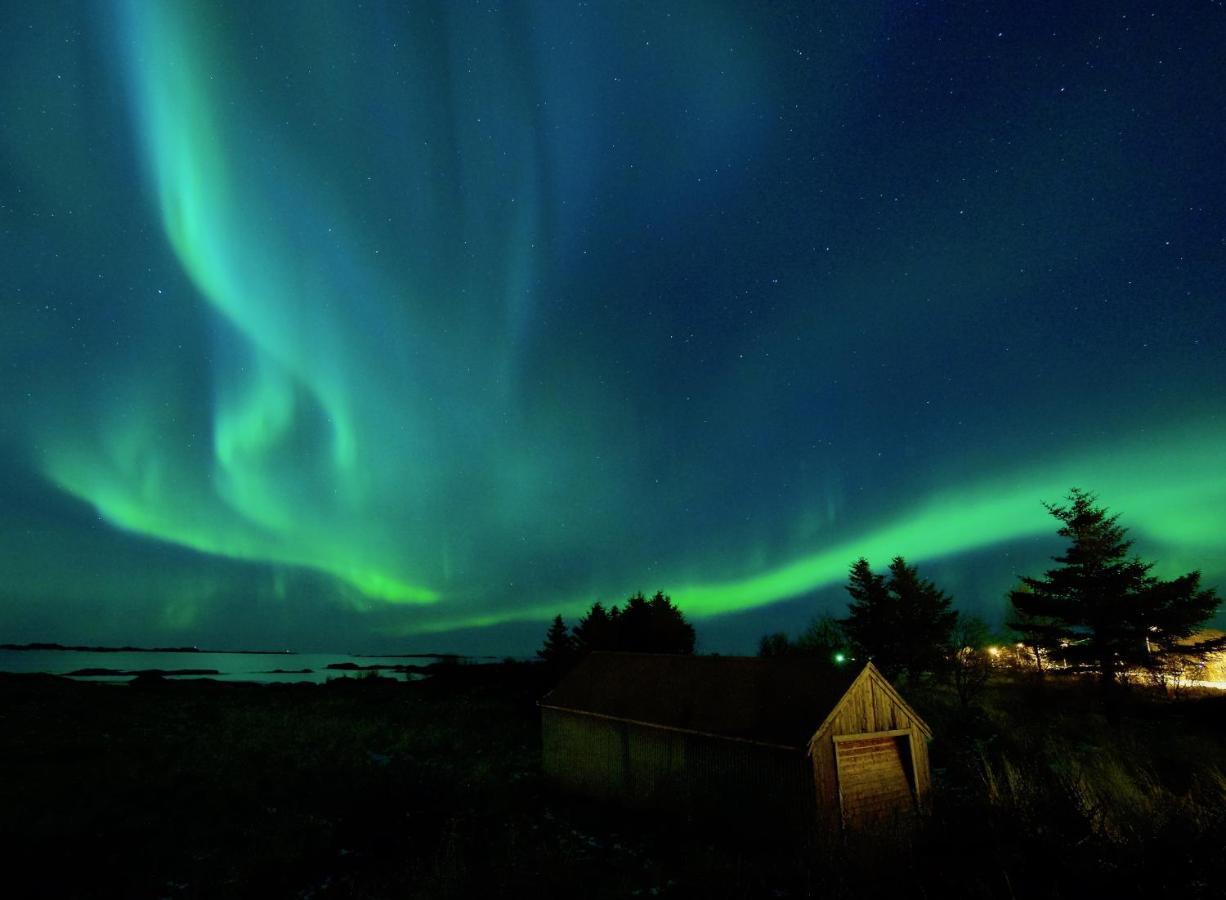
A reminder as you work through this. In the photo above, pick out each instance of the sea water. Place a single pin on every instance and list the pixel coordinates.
(259, 667)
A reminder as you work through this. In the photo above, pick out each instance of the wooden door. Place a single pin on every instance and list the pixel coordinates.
(874, 786)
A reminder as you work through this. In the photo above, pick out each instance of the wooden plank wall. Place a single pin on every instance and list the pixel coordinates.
(583, 754)
(644, 767)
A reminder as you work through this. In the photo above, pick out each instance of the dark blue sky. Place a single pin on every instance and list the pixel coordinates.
(403, 325)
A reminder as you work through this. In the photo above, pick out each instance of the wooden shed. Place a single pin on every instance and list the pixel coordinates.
(805, 743)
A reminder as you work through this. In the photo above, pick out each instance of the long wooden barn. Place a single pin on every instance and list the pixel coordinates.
(803, 743)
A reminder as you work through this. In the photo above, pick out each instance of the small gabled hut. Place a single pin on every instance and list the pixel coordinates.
(869, 757)
(805, 743)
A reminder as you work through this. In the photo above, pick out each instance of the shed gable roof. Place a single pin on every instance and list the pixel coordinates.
(778, 701)
(873, 674)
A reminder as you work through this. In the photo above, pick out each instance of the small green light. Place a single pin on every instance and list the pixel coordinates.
(839, 657)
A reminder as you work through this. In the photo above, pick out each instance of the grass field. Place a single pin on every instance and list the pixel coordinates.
(381, 788)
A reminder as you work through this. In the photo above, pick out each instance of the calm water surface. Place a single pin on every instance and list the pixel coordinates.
(232, 666)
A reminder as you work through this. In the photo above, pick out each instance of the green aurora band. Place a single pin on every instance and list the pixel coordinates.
(392, 360)
(1176, 488)
(290, 311)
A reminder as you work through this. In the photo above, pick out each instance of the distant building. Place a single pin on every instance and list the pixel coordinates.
(788, 738)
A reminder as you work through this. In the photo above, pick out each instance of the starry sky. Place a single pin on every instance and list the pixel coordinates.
(364, 326)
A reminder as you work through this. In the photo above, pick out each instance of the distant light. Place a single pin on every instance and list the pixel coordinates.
(839, 658)
(995, 651)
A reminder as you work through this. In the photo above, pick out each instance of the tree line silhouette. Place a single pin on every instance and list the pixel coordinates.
(1099, 610)
(642, 625)
(904, 623)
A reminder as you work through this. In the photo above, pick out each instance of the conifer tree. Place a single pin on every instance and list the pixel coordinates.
(641, 626)
(904, 624)
(926, 620)
(634, 624)
(1103, 605)
(595, 630)
(870, 625)
(1039, 635)
(670, 632)
(558, 650)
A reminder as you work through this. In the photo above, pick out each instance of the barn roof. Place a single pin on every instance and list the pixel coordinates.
(776, 701)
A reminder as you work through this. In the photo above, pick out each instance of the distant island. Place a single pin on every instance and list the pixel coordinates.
(53, 646)
(418, 656)
(146, 673)
(445, 663)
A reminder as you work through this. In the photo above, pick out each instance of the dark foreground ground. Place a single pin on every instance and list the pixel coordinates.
(381, 788)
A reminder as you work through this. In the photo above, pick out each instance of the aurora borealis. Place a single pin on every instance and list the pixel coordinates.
(355, 324)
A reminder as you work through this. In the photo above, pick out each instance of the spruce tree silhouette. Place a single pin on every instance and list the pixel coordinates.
(903, 623)
(641, 625)
(558, 651)
(1103, 606)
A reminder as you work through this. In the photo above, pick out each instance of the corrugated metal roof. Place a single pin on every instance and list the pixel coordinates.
(778, 701)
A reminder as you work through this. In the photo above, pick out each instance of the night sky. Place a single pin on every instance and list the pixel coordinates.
(361, 326)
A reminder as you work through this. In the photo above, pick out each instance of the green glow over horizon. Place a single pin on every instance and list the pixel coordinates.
(369, 324)
(1179, 513)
